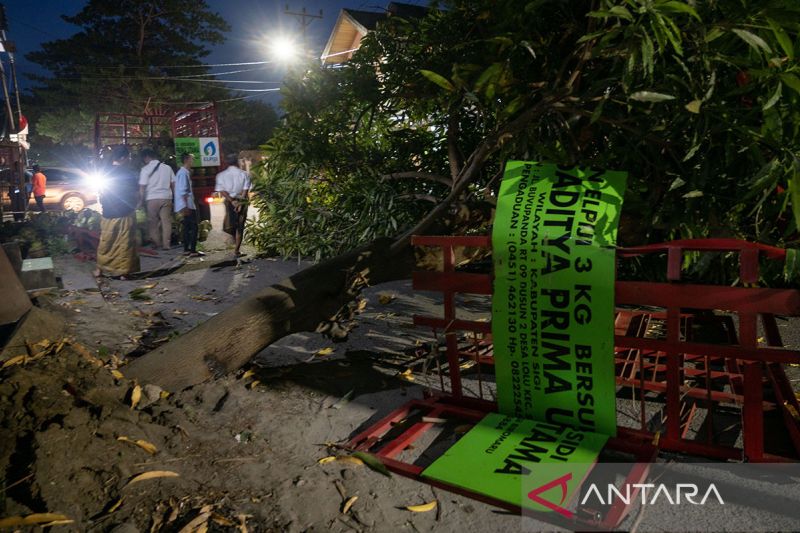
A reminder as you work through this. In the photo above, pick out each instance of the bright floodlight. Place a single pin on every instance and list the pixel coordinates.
(284, 49)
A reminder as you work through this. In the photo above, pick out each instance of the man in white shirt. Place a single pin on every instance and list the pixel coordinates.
(234, 185)
(155, 189)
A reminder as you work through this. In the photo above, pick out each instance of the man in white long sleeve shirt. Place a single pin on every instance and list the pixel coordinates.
(155, 186)
(234, 185)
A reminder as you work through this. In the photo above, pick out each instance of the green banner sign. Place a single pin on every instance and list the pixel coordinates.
(553, 301)
(535, 465)
(204, 149)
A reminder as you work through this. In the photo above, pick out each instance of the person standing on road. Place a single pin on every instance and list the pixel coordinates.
(155, 186)
(234, 185)
(116, 252)
(39, 187)
(184, 204)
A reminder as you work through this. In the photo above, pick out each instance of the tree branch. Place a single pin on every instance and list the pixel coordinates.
(474, 165)
(423, 197)
(419, 176)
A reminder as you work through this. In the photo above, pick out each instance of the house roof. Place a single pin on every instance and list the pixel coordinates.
(353, 24)
(366, 19)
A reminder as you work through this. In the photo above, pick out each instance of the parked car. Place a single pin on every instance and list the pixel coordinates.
(67, 189)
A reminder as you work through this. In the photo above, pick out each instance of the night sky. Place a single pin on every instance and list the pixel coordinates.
(32, 22)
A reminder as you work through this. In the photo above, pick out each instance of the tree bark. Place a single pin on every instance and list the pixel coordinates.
(314, 299)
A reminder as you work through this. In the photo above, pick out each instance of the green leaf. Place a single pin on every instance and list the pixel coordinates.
(792, 81)
(753, 40)
(791, 266)
(373, 462)
(621, 12)
(677, 182)
(598, 112)
(783, 38)
(649, 96)
(794, 191)
(491, 72)
(693, 194)
(439, 80)
(774, 98)
(679, 7)
(694, 106)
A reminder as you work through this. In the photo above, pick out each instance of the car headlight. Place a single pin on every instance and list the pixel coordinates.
(96, 180)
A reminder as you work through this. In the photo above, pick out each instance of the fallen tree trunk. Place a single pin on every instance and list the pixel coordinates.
(318, 298)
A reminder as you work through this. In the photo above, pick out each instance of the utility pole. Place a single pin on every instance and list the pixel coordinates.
(305, 20)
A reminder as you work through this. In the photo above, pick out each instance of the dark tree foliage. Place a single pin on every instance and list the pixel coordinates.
(125, 57)
(698, 101)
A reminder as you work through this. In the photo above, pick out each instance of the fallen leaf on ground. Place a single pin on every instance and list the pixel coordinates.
(343, 400)
(373, 462)
(153, 474)
(349, 459)
(149, 286)
(250, 373)
(407, 375)
(136, 396)
(86, 354)
(326, 460)
(179, 312)
(385, 298)
(423, 508)
(362, 304)
(117, 375)
(143, 444)
(324, 351)
(198, 524)
(348, 504)
(253, 384)
(35, 519)
(15, 361)
(221, 520)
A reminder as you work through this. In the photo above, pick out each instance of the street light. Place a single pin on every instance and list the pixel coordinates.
(284, 49)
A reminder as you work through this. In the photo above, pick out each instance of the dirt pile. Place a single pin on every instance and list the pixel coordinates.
(74, 444)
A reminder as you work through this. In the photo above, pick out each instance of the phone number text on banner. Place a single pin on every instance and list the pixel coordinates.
(553, 303)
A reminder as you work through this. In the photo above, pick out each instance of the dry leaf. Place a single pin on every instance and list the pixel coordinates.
(149, 286)
(198, 524)
(163, 395)
(324, 351)
(326, 460)
(179, 312)
(253, 384)
(116, 505)
(385, 298)
(34, 519)
(136, 396)
(349, 459)
(362, 304)
(153, 474)
(86, 354)
(143, 444)
(424, 508)
(117, 375)
(348, 504)
(462, 429)
(407, 375)
(15, 361)
(221, 520)
(250, 373)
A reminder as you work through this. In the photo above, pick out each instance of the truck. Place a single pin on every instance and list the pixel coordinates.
(171, 133)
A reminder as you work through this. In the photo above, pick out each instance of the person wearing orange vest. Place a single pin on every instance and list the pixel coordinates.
(39, 187)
